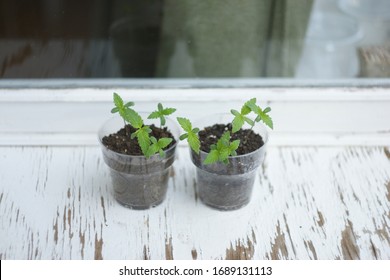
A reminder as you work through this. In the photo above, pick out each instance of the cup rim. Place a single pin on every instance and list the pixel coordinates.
(264, 137)
(137, 156)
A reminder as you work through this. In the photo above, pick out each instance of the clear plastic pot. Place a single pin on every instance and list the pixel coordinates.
(228, 186)
(138, 182)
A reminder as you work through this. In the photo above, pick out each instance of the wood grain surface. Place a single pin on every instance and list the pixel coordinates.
(308, 203)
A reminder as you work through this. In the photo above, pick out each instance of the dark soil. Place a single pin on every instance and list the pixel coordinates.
(121, 142)
(249, 140)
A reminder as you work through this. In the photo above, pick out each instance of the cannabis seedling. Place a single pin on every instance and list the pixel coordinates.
(240, 118)
(191, 134)
(149, 145)
(161, 113)
(224, 148)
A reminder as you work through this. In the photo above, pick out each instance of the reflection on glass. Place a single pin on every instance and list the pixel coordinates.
(186, 38)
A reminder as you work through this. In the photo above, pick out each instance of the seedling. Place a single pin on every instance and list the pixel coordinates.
(158, 146)
(241, 117)
(191, 134)
(224, 148)
(161, 113)
(149, 145)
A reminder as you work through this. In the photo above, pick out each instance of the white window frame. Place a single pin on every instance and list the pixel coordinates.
(69, 112)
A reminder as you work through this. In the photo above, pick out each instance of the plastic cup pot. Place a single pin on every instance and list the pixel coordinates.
(228, 186)
(138, 182)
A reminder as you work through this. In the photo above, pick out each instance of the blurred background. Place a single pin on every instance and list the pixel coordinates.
(303, 39)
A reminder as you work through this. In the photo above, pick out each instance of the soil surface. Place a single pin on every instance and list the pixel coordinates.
(121, 142)
(249, 140)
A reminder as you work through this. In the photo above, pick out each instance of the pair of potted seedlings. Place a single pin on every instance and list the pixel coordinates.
(226, 153)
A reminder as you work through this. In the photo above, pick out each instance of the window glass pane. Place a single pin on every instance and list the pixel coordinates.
(304, 39)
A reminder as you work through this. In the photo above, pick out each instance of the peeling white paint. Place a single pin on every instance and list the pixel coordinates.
(308, 202)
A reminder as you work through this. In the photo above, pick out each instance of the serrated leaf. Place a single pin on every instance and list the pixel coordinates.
(143, 139)
(159, 107)
(194, 142)
(154, 115)
(237, 123)
(224, 140)
(195, 130)
(164, 142)
(245, 110)
(152, 150)
(118, 101)
(133, 118)
(256, 109)
(223, 153)
(267, 120)
(234, 146)
(185, 124)
(168, 111)
(212, 157)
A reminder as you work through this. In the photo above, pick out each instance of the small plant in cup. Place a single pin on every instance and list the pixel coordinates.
(227, 155)
(139, 155)
(135, 127)
(228, 142)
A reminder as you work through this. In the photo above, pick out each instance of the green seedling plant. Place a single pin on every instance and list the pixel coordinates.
(225, 148)
(191, 134)
(149, 145)
(161, 113)
(222, 150)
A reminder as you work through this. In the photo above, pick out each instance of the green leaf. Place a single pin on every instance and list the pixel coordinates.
(152, 150)
(153, 140)
(256, 109)
(234, 112)
(154, 115)
(237, 123)
(267, 120)
(195, 130)
(194, 142)
(133, 118)
(118, 101)
(234, 146)
(162, 153)
(224, 140)
(183, 136)
(249, 121)
(224, 154)
(168, 111)
(114, 110)
(129, 104)
(245, 110)
(164, 142)
(161, 113)
(185, 124)
(212, 157)
(266, 110)
(143, 138)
